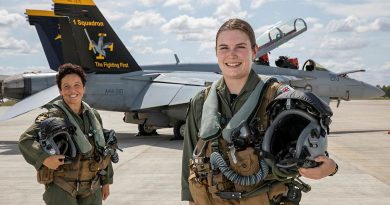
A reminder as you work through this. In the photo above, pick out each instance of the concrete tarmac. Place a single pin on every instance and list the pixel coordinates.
(149, 168)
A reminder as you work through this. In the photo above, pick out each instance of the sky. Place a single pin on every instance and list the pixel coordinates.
(342, 35)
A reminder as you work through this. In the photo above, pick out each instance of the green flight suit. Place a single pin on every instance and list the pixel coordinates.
(227, 107)
(34, 155)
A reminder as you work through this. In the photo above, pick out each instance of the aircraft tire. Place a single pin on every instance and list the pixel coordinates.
(144, 130)
(178, 130)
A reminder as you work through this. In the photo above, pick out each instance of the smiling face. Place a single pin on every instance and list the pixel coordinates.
(72, 90)
(235, 54)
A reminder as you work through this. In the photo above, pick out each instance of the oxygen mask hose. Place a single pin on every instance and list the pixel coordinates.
(217, 161)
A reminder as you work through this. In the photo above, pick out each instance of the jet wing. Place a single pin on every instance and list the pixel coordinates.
(173, 88)
(30, 103)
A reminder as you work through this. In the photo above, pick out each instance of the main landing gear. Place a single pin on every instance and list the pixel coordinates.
(178, 130)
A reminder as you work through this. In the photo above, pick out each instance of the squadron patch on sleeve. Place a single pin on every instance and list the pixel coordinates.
(42, 117)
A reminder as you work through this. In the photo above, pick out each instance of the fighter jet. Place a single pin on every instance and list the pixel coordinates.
(155, 96)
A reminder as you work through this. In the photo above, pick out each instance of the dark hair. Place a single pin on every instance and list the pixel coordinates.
(69, 68)
(238, 24)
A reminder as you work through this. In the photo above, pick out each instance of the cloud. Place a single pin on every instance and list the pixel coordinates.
(344, 25)
(343, 44)
(354, 24)
(257, 3)
(385, 66)
(12, 70)
(140, 19)
(183, 5)
(290, 44)
(149, 2)
(188, 28)
(12, 46)
(228, 9)
(379, 24)
(139, 38)
(262, 29)
(10, 19)
(375, 75)
(163, 51)
(9, 70)
(112, 15)
(186, 7)
(207, 46)
(344, 65)
(175, 2)
(361, 9)
(141, 49)
(311, 20)
(149, 50)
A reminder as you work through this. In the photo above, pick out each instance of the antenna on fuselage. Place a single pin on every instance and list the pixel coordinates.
(177, 59)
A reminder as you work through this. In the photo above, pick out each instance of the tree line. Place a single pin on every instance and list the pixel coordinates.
(386, 89)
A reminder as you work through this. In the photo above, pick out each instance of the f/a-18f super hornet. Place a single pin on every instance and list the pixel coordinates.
(151, 96)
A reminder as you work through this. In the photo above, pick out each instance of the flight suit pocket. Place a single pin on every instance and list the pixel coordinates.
(198, 190)
(247, 162)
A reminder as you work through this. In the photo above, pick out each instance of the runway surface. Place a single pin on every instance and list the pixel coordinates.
(149, 168)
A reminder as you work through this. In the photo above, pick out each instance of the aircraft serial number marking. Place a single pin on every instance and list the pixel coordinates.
(112, 91)
(79, 22)
(111, 65)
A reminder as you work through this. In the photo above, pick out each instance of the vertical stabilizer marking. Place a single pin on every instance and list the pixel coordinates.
(79, 2)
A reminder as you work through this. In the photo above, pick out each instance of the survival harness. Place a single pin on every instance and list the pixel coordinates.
(82, 177)
(233, 168)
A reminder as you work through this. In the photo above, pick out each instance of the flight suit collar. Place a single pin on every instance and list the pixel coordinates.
(250, 84)
(83, 110)
(81, 119)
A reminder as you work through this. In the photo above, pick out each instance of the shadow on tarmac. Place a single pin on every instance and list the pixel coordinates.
(126, 140)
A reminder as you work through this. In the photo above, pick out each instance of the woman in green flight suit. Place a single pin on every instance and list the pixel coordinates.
(87, 178)
(235, 49)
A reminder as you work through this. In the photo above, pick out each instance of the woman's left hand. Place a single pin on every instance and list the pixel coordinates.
(105, 191)
(327, 167)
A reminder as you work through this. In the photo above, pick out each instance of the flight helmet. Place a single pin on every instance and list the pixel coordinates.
(55, 138)
(297, 132)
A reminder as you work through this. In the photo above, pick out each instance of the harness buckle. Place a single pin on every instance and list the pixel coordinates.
(77, 186)
(229, 195)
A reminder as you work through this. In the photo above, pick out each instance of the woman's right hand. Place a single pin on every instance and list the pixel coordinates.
(191, 203)
(53, 162)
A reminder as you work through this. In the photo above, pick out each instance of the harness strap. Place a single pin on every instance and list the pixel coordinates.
(81, 140)
(265, 188)
(73, 187)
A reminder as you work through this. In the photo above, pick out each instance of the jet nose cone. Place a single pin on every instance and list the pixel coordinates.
(372, 91)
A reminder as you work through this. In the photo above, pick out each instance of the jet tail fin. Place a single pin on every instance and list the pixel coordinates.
(98, 47)
(47, 26)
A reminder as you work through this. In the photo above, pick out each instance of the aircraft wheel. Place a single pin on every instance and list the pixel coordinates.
(178, 130)
(146, 130)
